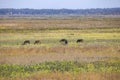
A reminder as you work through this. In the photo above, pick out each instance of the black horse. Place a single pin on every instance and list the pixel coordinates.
(37, 42)
(79, 40)
(64, 41)
(26, 42)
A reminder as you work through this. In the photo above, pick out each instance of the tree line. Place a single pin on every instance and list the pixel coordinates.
(97, 11)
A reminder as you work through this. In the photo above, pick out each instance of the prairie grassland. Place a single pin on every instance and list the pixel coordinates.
(69, 76)
(101, 43)
(56, 67)
(80, 76)
(72, 23)
(37, 55)
(49, 37)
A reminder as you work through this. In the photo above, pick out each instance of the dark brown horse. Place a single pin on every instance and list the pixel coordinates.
(37, 42)
(64, 41)
(26, 42)
(79, 40)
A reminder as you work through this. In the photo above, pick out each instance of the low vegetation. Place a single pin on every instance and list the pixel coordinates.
(52, 37)
(63, 22)
(97, 57)
(12, 70)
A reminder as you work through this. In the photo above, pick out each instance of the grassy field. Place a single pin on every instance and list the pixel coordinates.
(98, 54)
(59, 67)
(63, 22)
(13, 38)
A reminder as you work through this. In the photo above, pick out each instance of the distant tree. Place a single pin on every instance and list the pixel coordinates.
(105, 11)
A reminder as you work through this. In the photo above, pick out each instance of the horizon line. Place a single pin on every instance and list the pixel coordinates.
(61, 8)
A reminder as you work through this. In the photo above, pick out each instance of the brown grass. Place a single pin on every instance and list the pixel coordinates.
(58, 23)
(33, 55)
(69, 76)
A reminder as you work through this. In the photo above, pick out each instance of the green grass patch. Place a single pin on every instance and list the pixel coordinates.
(14, 70)
(92, 29)
(12, 38)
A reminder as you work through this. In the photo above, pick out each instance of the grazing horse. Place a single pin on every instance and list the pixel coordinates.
(37, 42)
(26, 42)
(64, 41)
(79, 40)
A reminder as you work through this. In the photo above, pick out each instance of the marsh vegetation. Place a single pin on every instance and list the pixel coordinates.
(98, 54)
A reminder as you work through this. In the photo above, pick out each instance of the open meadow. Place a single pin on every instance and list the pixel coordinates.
(97, 57)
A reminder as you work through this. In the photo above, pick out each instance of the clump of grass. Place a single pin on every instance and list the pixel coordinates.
(12, 70)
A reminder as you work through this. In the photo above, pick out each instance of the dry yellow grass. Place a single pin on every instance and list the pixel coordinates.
(69, 76)
(34, 55)
(58, 23)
